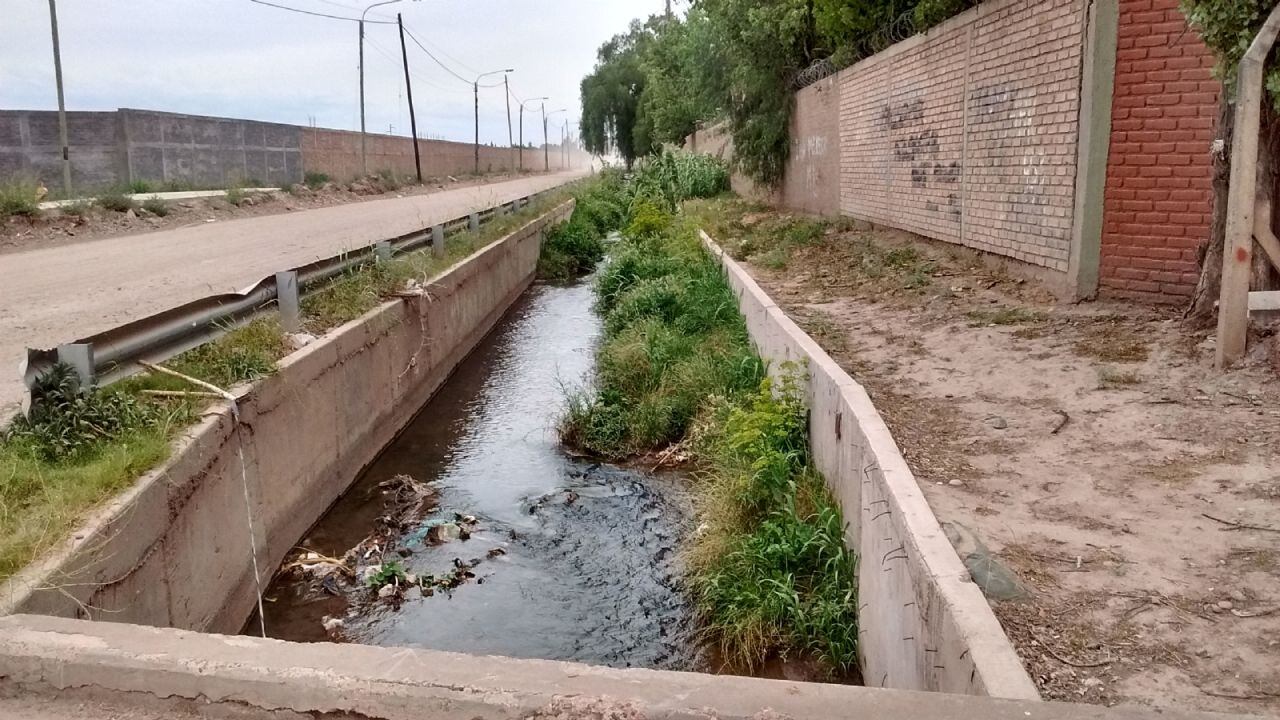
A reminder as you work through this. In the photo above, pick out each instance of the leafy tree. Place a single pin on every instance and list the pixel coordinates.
(611, 97)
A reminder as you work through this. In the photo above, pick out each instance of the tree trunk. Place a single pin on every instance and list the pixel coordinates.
(1203, 310)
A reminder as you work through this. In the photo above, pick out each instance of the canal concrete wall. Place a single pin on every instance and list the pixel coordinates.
(176, 549)
(923, 623)
(245, 677)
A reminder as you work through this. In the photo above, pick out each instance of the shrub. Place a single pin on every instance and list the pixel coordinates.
(115, 201)
(236, 196)
(569, 249)
(140, 187)
(156, 206)
(79, 208)
(19, 198)
(315, 180)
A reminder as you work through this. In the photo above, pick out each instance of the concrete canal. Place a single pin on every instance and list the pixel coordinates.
(516, 548)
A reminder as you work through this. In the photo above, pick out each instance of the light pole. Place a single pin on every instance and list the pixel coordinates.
(546, 152)
(364, 161)
(522, 126)
(475, 87)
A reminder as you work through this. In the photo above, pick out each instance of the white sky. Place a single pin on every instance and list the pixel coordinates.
(233, 58)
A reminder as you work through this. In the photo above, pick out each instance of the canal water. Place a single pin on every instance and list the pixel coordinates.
(561, 558)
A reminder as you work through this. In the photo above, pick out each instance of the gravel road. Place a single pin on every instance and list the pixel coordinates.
(57, 295)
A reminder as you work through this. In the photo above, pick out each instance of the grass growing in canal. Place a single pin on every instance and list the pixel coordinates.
(770, 571)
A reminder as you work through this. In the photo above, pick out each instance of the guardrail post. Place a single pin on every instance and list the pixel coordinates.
(515, 206)
(382, 251)
(287, 301)
(437, 240)
(473, 221)
(80, 357)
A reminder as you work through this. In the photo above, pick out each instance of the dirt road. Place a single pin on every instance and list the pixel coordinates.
(59, 294)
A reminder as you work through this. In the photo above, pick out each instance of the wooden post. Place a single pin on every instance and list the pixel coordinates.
(1237, 260)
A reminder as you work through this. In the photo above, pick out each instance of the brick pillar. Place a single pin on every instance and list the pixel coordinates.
(1158, 197)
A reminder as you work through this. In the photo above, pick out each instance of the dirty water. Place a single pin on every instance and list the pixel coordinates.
(563, 558)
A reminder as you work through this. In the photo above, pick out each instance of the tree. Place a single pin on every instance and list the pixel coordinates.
(1227, 27)
(611, 98)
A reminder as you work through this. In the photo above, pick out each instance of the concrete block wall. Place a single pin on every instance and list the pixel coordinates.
(922, 622)
(1159, 194)
(174, 550)
(205, 151)
(30, 148)
(968, 133)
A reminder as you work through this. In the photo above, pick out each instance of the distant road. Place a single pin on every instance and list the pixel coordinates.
(56, 295)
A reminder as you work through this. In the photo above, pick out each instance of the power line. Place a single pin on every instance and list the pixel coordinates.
(319, 14)
(431, 55)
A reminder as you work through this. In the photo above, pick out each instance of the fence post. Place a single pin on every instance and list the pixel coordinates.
(437, 240)
(80, 357)
(287, 301)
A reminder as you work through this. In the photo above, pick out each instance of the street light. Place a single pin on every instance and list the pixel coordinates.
(475, 86)
(364, 161)
(522, 126)
(546, 153)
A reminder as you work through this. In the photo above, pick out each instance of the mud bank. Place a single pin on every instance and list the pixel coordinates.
(176, 549)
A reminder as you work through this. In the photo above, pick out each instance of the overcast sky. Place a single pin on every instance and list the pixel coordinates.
(234, 58)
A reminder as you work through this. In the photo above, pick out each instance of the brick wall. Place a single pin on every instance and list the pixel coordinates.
(337, 154)
(968, 133)
(1158, 196)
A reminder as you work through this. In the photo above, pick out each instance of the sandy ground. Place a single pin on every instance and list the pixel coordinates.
(1092, 447)
(58, 294)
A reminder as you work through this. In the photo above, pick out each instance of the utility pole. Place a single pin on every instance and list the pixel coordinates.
(510, 140)
(522, 104)
(408, 86)
(546, 158)
(364, 160)
(62, 105)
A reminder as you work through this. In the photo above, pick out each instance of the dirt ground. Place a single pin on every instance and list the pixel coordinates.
(53, 228)
(1092, 447)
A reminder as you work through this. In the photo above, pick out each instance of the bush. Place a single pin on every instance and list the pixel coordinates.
(115, 201)
(236, 196)
(570, 249)
(79, 208)
(67, 421)
(140, 187)
(156, 206)
(315, 180)
(19, 198)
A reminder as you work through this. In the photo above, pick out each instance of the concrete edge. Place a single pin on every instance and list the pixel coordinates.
(403, 684)
(60, 567)
(1000, 670)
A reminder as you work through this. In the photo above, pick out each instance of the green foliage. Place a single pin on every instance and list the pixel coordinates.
(19, 197)
(79, 208)
(156, 206)
(66, 421)
(115, 202)
(388, 572)
(570, 249)
(315, 180)
(1228, 27)
(611, 98)
(140, 187)
(236, 195)
(671, 177)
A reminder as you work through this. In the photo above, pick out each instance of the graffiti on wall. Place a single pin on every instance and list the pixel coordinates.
(916, 146)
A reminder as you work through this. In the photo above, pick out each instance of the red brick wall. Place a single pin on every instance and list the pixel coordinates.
(1158, 196)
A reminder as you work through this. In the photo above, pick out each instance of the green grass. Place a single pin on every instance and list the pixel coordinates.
(140, 187)
(19, 197)
(769, 569)
(79, 208)
(315, 180)
(236, 195)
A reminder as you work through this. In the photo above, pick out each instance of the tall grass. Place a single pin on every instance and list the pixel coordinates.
(770, 571)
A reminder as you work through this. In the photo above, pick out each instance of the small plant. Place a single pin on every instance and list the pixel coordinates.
(19, 198)
(156, 206)
(390, 183)
(236, 196)
(387, 573)
(315, 180)
(1005, 316)
(115, 201)
(140, 187)
(1109, 377)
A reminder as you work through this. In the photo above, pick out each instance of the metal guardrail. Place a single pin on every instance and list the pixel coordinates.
(114, 354)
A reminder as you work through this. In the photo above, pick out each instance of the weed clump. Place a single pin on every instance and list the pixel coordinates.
(156, 206)
(19, 198)
(315, 180)
(115, 201)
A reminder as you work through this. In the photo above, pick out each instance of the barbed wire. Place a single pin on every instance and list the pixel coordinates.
(896, 30)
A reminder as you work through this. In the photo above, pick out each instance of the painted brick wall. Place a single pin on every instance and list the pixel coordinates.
(1158, 196)
(968, 133)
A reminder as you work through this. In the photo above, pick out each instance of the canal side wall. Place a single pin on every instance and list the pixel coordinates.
(923, 623)
(175, 550)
